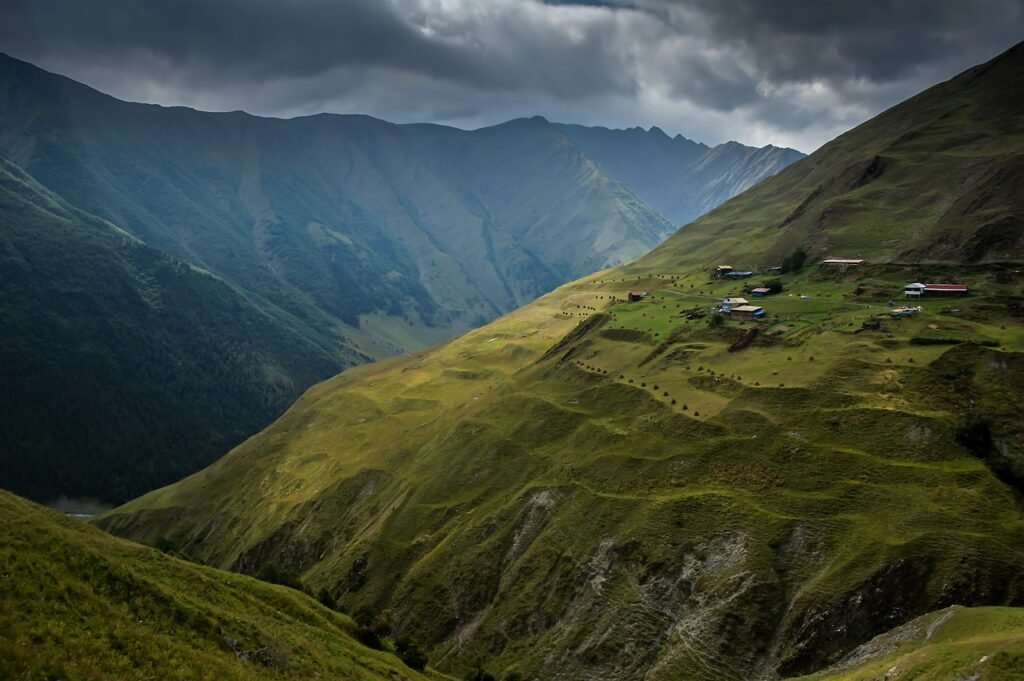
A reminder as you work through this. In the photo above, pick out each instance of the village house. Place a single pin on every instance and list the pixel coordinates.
(635, 296)
(760, 291)
(746, 312)
(917, 290)
(720, 271)
(728, 303)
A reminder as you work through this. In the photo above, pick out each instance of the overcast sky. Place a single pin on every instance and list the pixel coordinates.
(785, 72)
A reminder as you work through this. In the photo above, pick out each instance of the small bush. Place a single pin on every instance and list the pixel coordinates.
(368, 619)
(364, 617)
(327, 599)
(411, 654)
(165, 545)
(478, 674)
(368, 637)
(275, 575)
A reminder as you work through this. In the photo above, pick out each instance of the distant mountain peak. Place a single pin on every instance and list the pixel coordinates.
(678, 177)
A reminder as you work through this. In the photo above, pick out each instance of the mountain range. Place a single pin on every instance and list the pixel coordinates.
(173, 279)
(616, 481)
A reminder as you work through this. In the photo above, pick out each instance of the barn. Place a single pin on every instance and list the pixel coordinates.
(918, 290)
(746, 312)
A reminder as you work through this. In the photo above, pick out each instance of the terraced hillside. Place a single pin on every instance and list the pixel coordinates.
(78, 604)
(597, 488)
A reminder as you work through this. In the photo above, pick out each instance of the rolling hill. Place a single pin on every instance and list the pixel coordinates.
(346, 237)
(79, 604)
(598, 487)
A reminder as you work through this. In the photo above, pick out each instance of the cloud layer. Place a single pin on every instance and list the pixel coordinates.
(787, 72)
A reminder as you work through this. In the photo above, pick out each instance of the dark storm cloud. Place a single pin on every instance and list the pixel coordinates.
(211, 41)
(876, 39)
(787, 71)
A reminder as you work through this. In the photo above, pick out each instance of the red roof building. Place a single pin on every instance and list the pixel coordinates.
(950, 288)
(917, 290)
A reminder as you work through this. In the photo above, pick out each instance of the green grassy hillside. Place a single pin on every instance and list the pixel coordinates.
(595, 488)
(78, 604)
(626, 496)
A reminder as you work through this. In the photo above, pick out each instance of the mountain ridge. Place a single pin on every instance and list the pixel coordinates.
(685, 179)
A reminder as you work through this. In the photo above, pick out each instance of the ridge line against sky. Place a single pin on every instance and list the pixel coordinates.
(785, 72)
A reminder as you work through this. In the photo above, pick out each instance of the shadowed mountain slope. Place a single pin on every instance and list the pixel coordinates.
(122, 367)
(598, 487)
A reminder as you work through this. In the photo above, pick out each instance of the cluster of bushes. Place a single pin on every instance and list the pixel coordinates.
(275, 575)
(371, 628)
(411, 654)
(794, 262)
(480, 674)
(974, 433)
